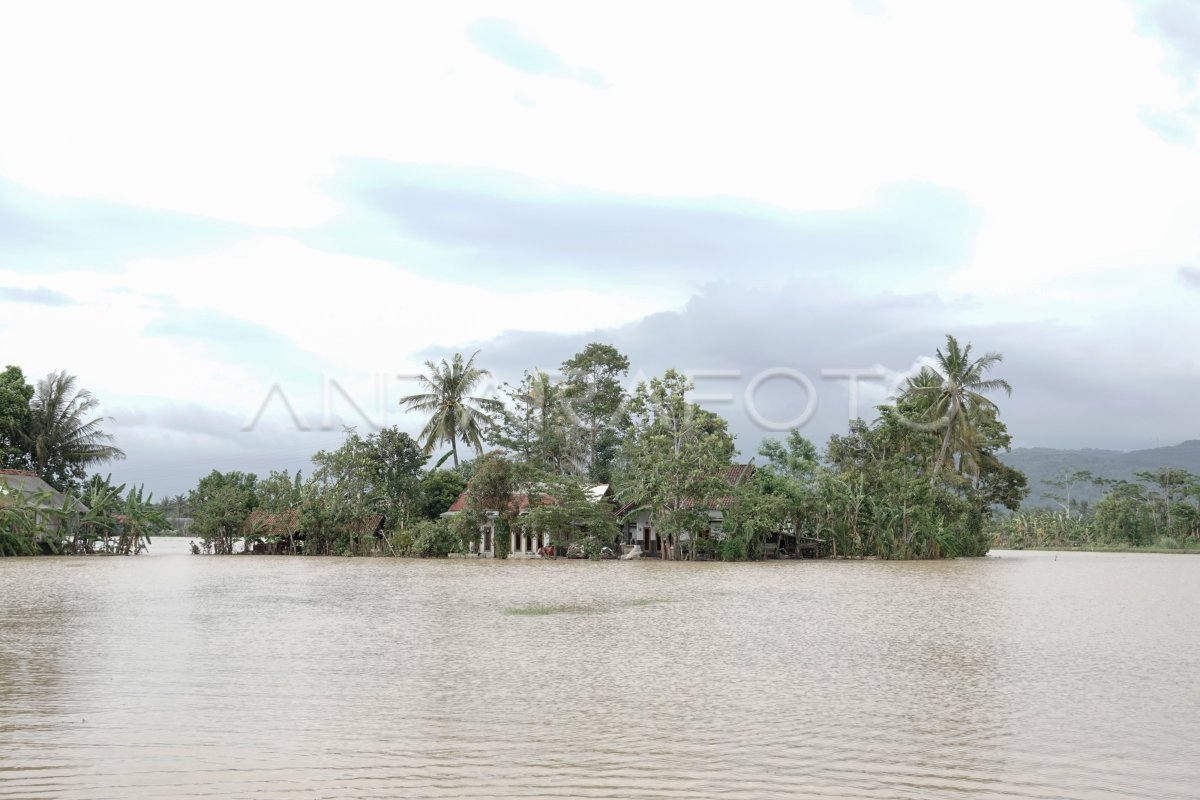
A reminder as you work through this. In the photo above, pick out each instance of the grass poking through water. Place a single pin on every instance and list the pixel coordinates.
(640, 601)
(542, 611)
(545, 611)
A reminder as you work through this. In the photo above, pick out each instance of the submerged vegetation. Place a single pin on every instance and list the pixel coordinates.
(573, 461)
(49, 438)
(1158, 510)
(920, 481)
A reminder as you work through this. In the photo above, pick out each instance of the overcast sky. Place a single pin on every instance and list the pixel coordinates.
(207, 213)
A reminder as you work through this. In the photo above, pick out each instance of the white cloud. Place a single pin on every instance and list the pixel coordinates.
(1048, 119)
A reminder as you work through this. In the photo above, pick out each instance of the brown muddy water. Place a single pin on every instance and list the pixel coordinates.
(1021, 675)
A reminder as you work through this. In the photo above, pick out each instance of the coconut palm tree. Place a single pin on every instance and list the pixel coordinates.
(952, 394)
(454, 414)
(61, 438)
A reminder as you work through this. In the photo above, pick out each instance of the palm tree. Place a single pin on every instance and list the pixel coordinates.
(454, 415)
(952, 394)
(60, 435)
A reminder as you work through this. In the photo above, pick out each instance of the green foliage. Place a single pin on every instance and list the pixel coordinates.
(434, 539)
(220, 505)
(438, 490)
(138, 521)
(15, 396)
(537, 427)
(379, 474)
(572, 516)
(1163, 505)
(20, 526)
(952, 401)
(673, 457)
(593, 390)
(922, 481)
(279, 491)
(500, 542)
(796, 458)
(494, 494)
(63, 442)
(736, 547)
(455, 415)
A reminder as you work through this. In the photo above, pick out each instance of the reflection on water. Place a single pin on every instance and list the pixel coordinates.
(1019, 675)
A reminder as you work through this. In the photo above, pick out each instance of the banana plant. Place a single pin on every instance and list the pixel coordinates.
(18, 523)
(139, 518)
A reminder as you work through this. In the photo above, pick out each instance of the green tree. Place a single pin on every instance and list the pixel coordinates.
(570, 514)
(674, 458)
(454, 414)
(1172, 486)
(796, 457)
(493, 495)
(63, 441)
(100, 522)
(138, 521)
(279, 491)
(20, 521)
(1064, 483)
(536, 426)
(15, 396)
(953, 394)
(597, 398)
(439, 489)
(376, 474)
(434, 539)
(220, 503)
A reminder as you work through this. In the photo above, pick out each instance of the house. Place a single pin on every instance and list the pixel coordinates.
(45, 499)
(280, 532)
(522, 543)
(638, 529)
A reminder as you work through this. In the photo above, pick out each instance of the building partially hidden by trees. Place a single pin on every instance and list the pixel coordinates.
(577, 465)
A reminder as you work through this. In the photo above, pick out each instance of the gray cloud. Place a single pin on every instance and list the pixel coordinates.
(39, 296)
(170, 447)
(1190, 276)
(1090, 386)
(500, 40)
(509, 224)
(1063, 396)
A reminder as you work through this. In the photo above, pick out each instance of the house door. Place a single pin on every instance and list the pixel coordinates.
(487, 539)
(646, 539)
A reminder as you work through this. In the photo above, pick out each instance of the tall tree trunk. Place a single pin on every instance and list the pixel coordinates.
(454, 451)
(941, 462)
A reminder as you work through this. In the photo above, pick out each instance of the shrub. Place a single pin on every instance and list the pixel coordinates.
(433, 539)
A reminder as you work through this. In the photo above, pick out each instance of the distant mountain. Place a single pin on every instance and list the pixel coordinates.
(1043, 463)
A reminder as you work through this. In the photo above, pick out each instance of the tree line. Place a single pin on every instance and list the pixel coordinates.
(919, 481)
(49, 429)
(1159, 508)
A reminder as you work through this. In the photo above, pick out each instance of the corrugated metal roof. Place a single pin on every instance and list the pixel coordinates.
(28, 483)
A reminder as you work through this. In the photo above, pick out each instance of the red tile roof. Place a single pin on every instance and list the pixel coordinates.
(20, 473)
(460, 502)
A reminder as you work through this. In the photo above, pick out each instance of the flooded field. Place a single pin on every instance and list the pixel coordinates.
(1022, 675)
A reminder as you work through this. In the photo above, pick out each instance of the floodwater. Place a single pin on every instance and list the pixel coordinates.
(1022, 675)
